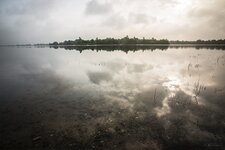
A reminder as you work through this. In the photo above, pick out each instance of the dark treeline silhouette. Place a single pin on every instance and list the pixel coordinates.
(112, 41)
(135, 41)
(220, 41)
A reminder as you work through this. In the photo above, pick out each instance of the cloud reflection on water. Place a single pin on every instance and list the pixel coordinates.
(162, 98)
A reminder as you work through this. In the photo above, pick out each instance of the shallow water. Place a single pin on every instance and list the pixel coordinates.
(171, 98)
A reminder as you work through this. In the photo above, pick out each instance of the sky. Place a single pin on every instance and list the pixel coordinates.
(44, 21)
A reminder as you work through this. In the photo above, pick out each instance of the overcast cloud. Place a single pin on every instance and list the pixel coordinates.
(43, 21)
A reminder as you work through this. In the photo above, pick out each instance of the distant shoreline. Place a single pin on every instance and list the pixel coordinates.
(123, 47)
(99, 45)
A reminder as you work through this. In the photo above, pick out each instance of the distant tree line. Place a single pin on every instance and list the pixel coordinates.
(220, 41)
(127, 48)
(111, 41)
(127, 40)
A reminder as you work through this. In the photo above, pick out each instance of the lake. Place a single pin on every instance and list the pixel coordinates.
(112, 98)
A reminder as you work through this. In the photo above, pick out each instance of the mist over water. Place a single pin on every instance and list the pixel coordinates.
(162, 98)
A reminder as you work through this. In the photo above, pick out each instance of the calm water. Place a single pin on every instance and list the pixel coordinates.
(171, 98)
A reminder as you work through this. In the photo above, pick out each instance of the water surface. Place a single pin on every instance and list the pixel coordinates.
(152, 98)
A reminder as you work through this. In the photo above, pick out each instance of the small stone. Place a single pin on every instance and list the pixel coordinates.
(37, 138)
